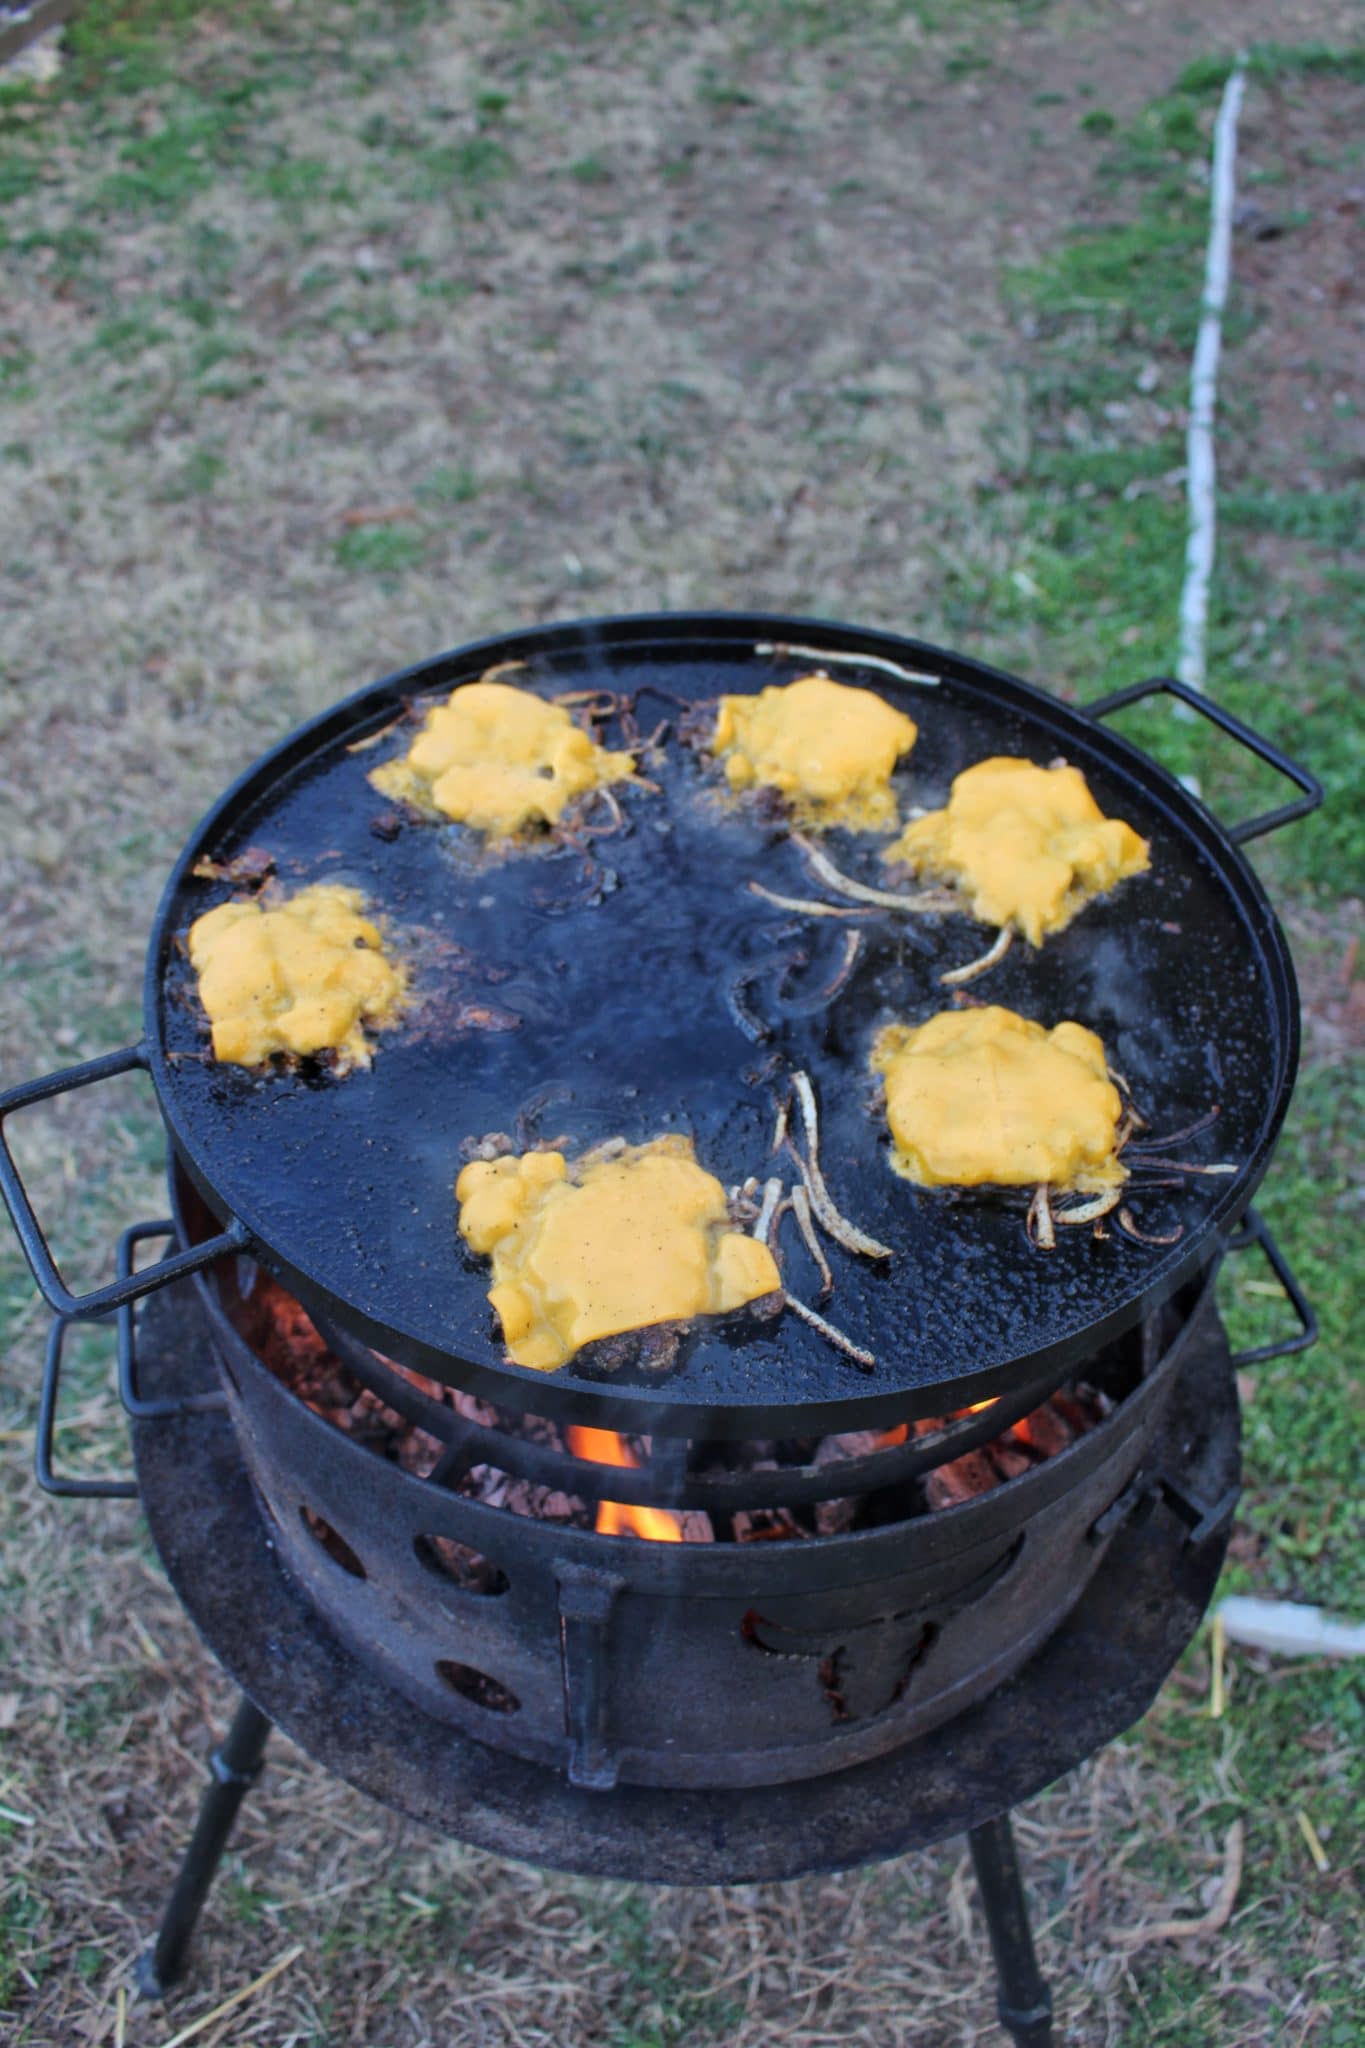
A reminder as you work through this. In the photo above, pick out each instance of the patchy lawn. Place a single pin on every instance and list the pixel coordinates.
(335, 334)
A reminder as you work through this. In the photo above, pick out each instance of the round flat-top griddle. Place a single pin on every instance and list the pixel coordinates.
(631, 984)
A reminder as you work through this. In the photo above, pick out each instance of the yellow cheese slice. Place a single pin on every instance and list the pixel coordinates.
(304, 976)
(1028, 846)
(607, 1244)
(984, 1097)
(499, 759)
(827, 747)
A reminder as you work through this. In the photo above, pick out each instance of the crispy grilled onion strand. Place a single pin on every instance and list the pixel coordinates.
(1178, 1137)
(852, 947)
(1040, 1219)
(753, 1027)
(774, 1207)
(1147, 1175)
(1127, 1224)
(849, 660)
(581, 831)
(929, 902)
(598, 1155)
(763, 1222)
(1004, 939)
(799, 1203)
(839, 1227)
(1089, 1212)
(598, 703)
(832, 1336)
(1184, 1166)
(805, 905)
(372, 739)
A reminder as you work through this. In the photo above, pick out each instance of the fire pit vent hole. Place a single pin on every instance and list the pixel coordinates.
(477, 1687)
(459, 1565)
(337, 1548)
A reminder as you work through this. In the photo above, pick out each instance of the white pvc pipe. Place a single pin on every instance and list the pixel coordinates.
(1288, 1629)
(1200, 487)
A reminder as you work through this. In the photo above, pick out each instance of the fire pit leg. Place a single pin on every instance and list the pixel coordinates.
(1024, 2002)
(233, 1768)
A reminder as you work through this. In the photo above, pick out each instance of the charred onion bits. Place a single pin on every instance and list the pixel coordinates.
(986, 1098)
(500, 759)
(1028, 846)
(302, 976)
(827, 747)
(624, 1237)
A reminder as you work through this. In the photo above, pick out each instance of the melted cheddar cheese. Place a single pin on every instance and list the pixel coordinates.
(1029, 846)
(983, 1097)
(304, 976)
(827, 747)
(612, 1242)
(499, 759)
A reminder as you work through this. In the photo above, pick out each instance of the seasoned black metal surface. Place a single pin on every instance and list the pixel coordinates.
(1092, 1679)
(622, 984)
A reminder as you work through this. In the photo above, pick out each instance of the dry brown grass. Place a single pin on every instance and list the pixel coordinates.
(411, 1941)
(750, 353)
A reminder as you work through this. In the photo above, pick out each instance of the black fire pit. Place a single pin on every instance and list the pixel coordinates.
(918, 1660)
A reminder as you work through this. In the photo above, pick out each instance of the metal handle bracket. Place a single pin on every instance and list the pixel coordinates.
(134, 1402)
(1264, 749)
(1255, 1232)
(128, 1286)
(1202, 1519)
(48, 1477)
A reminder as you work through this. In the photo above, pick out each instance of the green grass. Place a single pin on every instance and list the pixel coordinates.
(1289, 1743)
(199, 475)
(1332, 519)
(293, 181)
(128, 334)
(21, 1916)
(450, 485)
(1094, 532)
(454, 170)
(381, 550)
(1084, 591)
(668, 2005)
(166, 169)
(1306, 1420)
(591, 170)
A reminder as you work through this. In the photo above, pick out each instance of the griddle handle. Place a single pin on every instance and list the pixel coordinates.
(1268, 821)
(1254, 1232)
(129, 1286)
(134, 1401)
(48, 1477)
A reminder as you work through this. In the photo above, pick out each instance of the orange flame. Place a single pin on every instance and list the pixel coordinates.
(614, 1517)
(891, 1439)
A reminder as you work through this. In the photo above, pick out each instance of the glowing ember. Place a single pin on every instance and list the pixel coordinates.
(292, 1348)
(892, 1439)
(617, 1518)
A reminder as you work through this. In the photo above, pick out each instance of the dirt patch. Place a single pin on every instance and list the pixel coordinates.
(1299, 259)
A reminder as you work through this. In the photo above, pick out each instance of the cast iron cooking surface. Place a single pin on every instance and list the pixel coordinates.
(595, 997)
